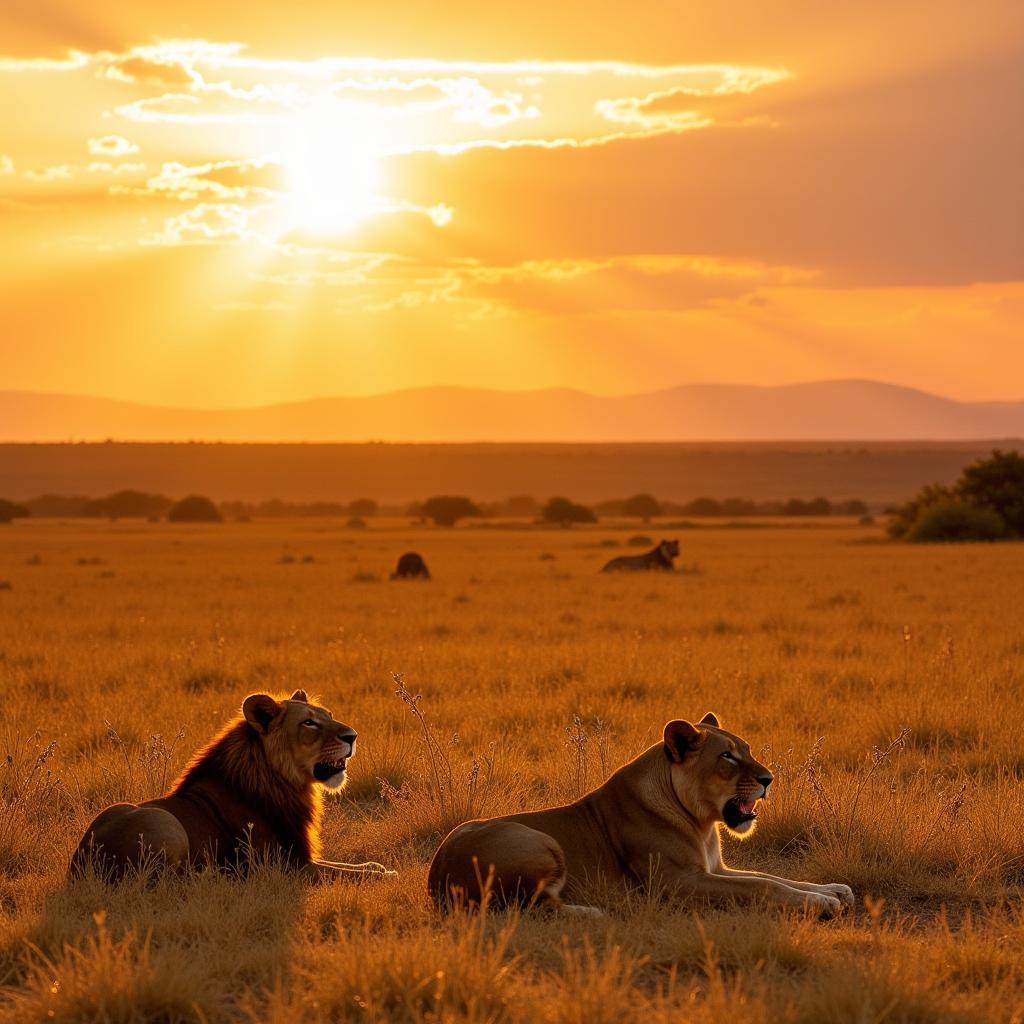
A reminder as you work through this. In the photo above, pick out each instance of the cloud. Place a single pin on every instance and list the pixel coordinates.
(222, 180)
(656, 283)
(112, 145)
(205, 224)
(408, 105)
(149, 72)
(105, 167)
(6, 165)
(554, 288)
(59, 172)
(74, 61)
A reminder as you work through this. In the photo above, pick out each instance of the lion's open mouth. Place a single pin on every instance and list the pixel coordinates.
(324, 770)
(737, 811)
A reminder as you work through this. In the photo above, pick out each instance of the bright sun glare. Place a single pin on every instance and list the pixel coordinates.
(332, 178)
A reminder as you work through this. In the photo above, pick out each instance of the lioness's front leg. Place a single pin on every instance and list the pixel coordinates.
(746, 887)
(320, 870)
(841, 892)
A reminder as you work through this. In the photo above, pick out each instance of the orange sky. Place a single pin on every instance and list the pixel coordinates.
(214, 204)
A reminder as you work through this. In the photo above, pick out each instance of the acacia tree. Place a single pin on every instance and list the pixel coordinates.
(997, 483)
(448, 509)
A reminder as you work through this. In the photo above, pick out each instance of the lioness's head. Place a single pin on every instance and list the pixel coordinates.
(714, 775)
(302, 741)
(669, 548)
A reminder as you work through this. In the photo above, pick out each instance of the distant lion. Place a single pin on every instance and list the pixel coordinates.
(661, 557)
(255, 788)
(654, 824)
(411, 567)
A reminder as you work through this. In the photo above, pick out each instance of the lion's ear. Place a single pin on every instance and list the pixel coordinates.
(710, 719)
(680, 738)
(300, 695)
(260, 709)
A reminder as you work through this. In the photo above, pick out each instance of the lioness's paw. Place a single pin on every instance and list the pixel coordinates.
(843, 893)
(825, 906)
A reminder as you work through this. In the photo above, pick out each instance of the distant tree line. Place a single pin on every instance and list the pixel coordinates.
(442, 510)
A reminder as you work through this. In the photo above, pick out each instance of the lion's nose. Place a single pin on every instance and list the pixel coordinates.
(349, 738)
(766, 781)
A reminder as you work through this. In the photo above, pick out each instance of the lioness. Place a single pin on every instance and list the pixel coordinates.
(253, 790)
(655, 822)
(661, 557)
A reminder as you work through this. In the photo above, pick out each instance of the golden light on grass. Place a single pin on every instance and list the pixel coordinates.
(551, 675)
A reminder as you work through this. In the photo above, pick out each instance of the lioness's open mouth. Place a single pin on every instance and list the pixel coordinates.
(324, 770)
(737, 811)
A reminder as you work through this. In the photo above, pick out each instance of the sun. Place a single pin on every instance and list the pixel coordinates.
(332, 176)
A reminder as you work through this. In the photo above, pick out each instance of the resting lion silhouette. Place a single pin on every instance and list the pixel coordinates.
(655, 823)
(411, 567)
(661, 557)
(253, 791)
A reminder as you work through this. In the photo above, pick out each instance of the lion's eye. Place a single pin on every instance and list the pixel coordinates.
(310, 722)
(731, 758)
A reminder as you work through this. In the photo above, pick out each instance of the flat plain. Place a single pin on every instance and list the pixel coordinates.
(881, 682)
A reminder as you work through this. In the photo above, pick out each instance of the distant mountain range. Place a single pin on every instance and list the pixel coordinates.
(817, 411)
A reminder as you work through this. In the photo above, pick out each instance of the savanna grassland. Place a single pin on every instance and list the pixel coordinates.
(881, 682)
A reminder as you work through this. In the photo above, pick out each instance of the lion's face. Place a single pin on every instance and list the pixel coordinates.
(714, 774)
(670, 548)
(302, 740)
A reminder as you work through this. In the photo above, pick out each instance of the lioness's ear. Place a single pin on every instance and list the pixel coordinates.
(680, 738)
(300, 695)
(260, 709)
(710, 719)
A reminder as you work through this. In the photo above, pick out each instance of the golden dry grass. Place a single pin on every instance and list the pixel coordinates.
(882, 683)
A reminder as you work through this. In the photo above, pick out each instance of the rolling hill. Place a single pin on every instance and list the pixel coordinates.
(820, 411)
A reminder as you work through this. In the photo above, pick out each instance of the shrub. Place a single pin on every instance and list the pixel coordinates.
(703, 507)
(129, 505)
(816, 507)
(521, 505)
(738, 507)
(362, 508)
(9, 511)
(194, 509)
(448, 509)
(564, 511)
(904, 516)
(952, 520)
(643, 506)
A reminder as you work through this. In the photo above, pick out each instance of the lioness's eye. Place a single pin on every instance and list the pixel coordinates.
(309, 721)
(729, 757)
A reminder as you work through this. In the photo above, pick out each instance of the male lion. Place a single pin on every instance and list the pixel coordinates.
(661, 558)
(655, 823)
(254, 789)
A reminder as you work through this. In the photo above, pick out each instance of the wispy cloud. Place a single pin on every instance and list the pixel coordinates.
(111, 146)
(205, 224)
(56, 172)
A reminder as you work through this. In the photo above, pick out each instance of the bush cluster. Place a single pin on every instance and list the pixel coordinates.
(986, 503)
